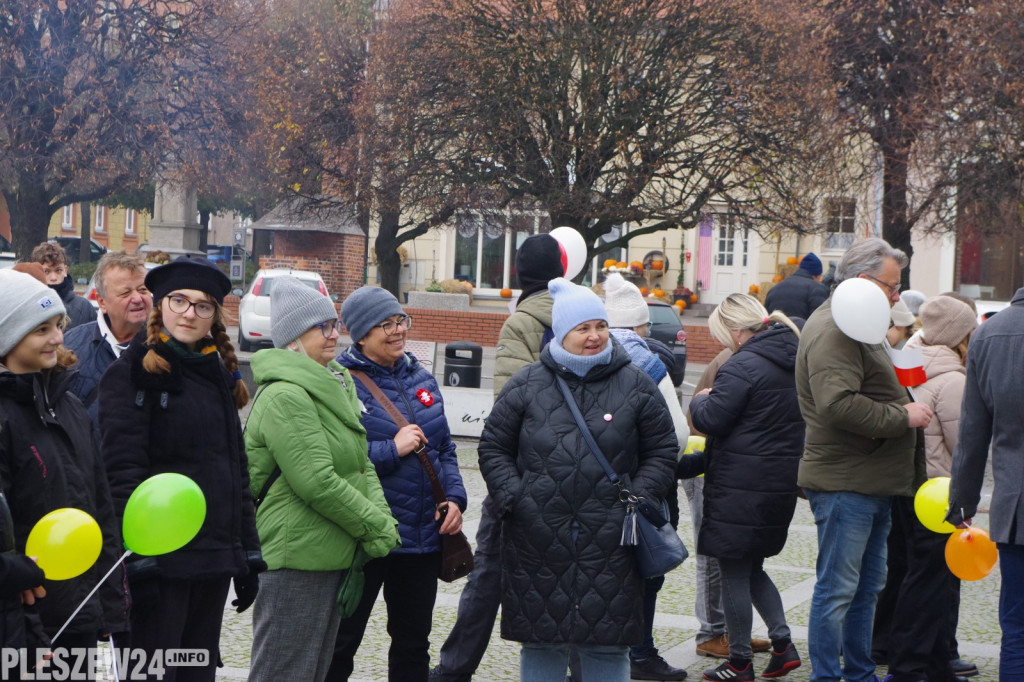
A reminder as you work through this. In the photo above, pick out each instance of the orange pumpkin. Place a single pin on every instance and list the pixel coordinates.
(621, 265)
(681, 304)
(693, 298)
(792, 260)
(777, 278)
(610, 263)
(659, 293)
(754, 289)
(657, 265)
(636, 264)
(643, 291)
(505, 293)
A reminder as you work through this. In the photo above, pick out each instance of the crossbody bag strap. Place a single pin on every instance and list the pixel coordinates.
(587, 435)
(401, 421)
(276, 473)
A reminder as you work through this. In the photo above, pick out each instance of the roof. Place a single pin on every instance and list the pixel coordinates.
(293, 216)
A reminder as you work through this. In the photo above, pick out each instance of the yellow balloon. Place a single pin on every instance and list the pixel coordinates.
(931, 503)
(694, 444)
(66, 543)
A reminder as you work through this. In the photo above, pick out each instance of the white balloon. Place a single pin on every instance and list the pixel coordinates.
(575, 249)
(861, 310)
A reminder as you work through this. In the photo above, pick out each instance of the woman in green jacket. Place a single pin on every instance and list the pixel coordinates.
(325, 504)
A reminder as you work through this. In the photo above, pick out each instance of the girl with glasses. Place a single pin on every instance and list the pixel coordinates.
(170, 404)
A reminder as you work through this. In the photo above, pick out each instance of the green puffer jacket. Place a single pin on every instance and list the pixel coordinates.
(858, 437)
(328, 496)
(520, 338)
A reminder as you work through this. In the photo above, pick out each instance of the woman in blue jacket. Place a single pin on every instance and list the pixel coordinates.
(378, 327)
(755, 441)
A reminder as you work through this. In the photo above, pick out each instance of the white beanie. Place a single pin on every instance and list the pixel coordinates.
(25, 303)
(624, 303)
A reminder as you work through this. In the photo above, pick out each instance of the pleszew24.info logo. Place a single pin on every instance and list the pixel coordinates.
(90, 664)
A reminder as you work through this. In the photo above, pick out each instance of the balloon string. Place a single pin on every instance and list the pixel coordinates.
(89, 596)
(113, 654)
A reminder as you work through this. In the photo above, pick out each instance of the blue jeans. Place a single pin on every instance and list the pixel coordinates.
(1011, 612)
(852, 531)
(548, 662)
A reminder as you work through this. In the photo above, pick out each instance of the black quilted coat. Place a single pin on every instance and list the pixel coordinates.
(756, 439)
(565, 577)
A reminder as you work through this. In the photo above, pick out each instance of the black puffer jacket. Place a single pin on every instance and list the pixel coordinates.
(78, 309)
(756, 438)
(184, 422)
(798, 295)
(565, 578)
(47, 462)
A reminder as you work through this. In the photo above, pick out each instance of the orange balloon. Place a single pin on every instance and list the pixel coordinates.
(970, 553)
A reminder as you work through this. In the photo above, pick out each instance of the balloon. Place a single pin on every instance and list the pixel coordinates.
(574, 248)
(694, 444)
(66, 543)
(931, 504)
(163, 514)
(970, 553)
(861, 310)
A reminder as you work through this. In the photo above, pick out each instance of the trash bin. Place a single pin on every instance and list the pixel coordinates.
(462, 362)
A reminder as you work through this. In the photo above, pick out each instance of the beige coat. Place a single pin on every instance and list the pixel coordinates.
(943, 392)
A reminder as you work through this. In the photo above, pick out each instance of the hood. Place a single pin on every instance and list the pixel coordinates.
(777, 344)
(937, 359)
(538, 306)
(353, 358)
(280, 364)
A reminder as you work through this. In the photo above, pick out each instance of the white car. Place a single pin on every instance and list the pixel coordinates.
(254, 310)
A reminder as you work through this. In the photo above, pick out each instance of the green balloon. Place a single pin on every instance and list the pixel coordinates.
(163, 514)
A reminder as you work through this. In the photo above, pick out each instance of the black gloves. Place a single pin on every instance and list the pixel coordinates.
(246, 588)
(19, 573)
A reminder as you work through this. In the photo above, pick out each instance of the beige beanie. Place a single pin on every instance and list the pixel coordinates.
(901, 315)
(945, 321)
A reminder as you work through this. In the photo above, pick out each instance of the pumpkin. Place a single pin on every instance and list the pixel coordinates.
(505, 293)
(693, 298)
(643, 291)
(659, 293)
(681, 304)
(777, 278)
(754, 289)
(636, 265)
(610, 263)
(621, 265)
(657, 265)
(792, 260)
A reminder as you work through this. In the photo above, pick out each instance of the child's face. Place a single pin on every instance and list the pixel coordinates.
(54, 272)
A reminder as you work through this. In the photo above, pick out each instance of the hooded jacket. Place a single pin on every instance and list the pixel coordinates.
(756, 435)
(798, 295)
(47, 462)
(565, 576)
(521, 337)
(405, 482)
(78, 309)
(184, 422)
(943, 392)
(327, 499)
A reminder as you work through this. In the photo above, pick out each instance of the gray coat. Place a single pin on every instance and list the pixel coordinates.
(993, 413)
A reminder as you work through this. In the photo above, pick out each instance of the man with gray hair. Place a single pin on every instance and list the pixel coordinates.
(862, 434)
(124, 305)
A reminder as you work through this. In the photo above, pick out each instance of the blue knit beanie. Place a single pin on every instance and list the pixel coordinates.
(812, 264)
(365, 308)
(573, 305)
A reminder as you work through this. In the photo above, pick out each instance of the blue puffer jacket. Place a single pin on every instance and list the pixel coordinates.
(405, 483)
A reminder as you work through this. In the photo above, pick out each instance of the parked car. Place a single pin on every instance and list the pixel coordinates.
(90, 291)
(254, 309)
(71, 246)
(224, 254)
(987, 309)
(667, 328)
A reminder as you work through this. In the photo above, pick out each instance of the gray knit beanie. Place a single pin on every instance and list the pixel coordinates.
(367, 307)
(25, 302)
(294, 308)
(945, 321)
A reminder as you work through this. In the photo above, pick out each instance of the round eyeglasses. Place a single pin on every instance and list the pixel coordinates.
(327, 328)
(391, 326)
(180, 305)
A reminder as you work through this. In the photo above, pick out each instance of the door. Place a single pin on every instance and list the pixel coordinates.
(724, 258)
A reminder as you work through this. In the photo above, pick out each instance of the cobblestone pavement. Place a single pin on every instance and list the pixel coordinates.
(675, 626)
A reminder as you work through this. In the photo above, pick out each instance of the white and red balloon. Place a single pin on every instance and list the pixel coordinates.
(574, 250)
(861, 310)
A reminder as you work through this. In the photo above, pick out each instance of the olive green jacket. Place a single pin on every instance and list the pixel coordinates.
(520, 338)
(858, 434)
(328, 498)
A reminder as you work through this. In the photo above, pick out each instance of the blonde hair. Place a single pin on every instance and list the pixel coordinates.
(740, 311)
(154, 363)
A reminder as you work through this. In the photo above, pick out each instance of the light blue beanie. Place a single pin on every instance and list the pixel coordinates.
(573, 305)
(367, 307)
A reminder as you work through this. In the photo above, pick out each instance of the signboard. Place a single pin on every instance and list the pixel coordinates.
(237, 269)
(466, 409)
(239, 236)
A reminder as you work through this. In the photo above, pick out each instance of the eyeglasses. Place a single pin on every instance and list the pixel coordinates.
(892, 289)
(327, 328)
(391, 326)
(180, 305)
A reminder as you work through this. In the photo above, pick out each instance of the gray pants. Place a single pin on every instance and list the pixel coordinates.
(708, 603)
(294, 625)
(745, 584)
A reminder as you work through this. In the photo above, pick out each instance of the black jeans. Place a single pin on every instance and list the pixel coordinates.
(410, 587)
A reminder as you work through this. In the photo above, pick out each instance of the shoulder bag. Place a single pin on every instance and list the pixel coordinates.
(657, 546)
(456, 554)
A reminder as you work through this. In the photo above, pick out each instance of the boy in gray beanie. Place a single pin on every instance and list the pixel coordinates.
(295, 308)
(25, 302)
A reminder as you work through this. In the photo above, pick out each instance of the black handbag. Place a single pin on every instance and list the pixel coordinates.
(657, 547)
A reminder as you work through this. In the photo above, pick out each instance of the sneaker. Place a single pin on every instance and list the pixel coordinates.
(730, 674)
(758, 645)
(781, 663)
(715, 648)
(654, 668)
(962, 668)
(439, 674)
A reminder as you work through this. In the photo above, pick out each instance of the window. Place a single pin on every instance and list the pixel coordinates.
(67, 220)
(129, 221)
(840, 216)
(101, 218)
(486, 243)
(732, 242)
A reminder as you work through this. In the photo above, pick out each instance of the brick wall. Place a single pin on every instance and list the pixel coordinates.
(701, 347)
(339, 258)
(445, 326)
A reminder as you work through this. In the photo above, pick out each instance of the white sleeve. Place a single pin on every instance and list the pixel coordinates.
(668, 391)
